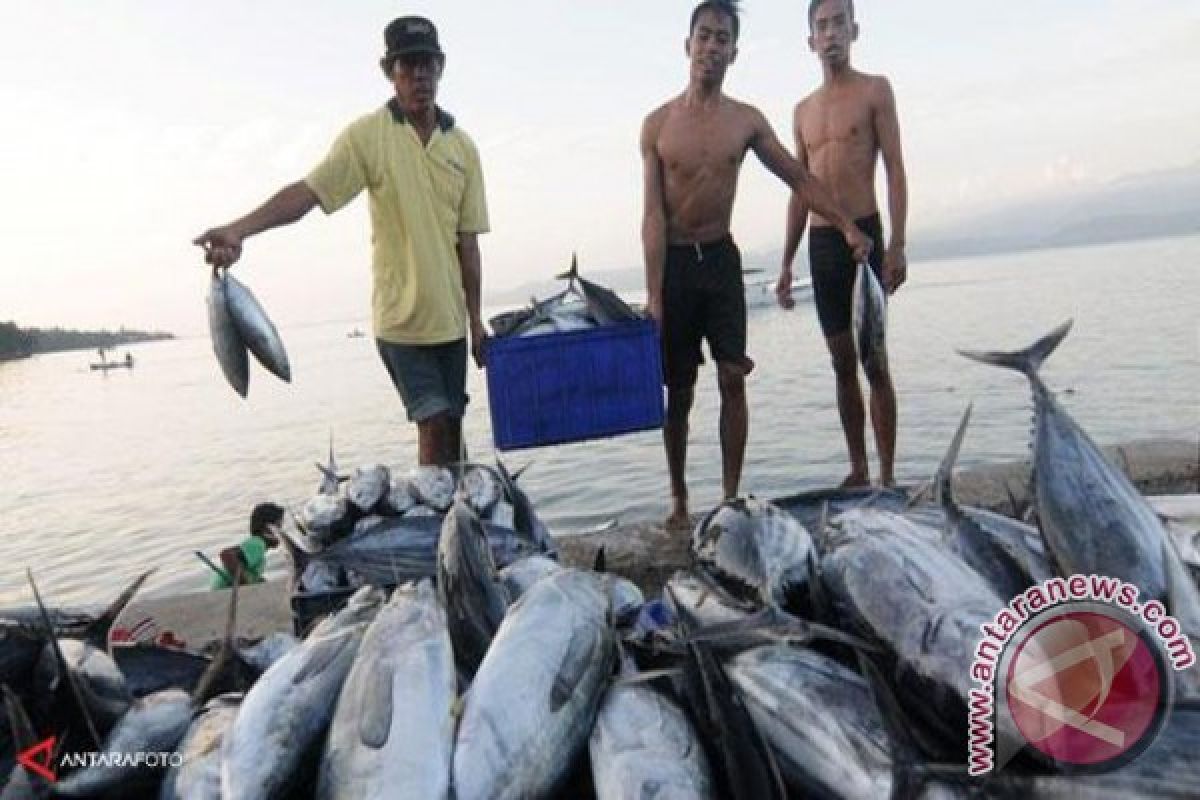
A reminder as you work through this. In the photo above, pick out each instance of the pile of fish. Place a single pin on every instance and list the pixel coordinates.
(238, 324)
(377, 528)
(819, 645)
(581, 306)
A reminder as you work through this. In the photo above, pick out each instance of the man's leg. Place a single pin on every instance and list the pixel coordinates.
(439, 440)
(883, 421)
(850, 406)
(675, 439)
(731, 381)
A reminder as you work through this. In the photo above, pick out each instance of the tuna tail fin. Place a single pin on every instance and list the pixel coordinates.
(573, 272)
(1029, 360)
(97, 632)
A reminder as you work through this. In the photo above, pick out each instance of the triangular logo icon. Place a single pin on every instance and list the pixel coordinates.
(38, 759)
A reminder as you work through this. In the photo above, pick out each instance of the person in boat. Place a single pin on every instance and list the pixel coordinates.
(692, 150)
(841, 131)
(129, 359)
(249, 558)
(423, 176)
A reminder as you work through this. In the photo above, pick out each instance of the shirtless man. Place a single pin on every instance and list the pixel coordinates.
(692, 150)
(841, 129)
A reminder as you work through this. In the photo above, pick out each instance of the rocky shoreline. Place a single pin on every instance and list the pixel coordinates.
(648, 554)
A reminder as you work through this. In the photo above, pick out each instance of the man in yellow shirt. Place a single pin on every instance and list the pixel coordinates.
(425, 183)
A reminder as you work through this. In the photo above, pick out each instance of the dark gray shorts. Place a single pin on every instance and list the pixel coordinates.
(431, 378)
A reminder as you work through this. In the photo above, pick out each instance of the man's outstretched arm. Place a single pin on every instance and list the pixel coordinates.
(223, 245)
(818, 198)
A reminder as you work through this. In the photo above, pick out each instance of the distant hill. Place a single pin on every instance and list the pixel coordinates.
(16, 342)
(1148, 205)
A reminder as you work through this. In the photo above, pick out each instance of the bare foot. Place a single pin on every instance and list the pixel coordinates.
(888, 483)
(855, 480)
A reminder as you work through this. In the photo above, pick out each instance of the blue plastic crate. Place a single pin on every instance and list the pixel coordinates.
(574, 386)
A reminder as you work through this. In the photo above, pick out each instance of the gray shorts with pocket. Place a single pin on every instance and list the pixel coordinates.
(431, 378)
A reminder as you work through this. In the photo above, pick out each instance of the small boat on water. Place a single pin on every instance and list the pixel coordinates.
(104, 365)
(355, 334)
(760, 292)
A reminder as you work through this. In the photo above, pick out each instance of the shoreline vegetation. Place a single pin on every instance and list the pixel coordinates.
(16, 342)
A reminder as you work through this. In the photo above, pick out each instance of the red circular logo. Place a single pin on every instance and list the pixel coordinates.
(1086, 688)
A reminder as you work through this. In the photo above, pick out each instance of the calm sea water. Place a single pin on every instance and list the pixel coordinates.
(107, 475)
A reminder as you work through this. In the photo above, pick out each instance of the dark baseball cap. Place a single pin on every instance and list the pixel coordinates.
(405, 35)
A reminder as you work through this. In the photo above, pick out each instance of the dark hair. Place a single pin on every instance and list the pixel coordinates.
(727, 7)
(813, 5)
(264, 514)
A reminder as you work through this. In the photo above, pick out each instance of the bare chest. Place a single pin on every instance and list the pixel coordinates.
(845, 122)
(692, 145)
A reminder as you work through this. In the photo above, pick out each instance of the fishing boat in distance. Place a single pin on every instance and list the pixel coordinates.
(104, 365)
(760, 292)
(357, 333)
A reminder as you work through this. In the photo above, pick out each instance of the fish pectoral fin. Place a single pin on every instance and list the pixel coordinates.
(375, 716)
(581, 652)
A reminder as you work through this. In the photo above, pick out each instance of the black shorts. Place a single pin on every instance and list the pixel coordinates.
(703, 298)
(832, 266)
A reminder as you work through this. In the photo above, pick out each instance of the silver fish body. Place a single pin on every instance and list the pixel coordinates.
(289, 708)
(869, 320)
(468, 586)
(198, 776)
(1094, 520)
(757, 551)
(533, 702)
(368, 486)
(908, 592)
(820, 719)
(643, 745)
(393, 730)
(227, 342)
(155, 724)
(520, 575)
(256, 329)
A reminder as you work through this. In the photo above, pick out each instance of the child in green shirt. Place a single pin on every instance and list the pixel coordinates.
(250, 557)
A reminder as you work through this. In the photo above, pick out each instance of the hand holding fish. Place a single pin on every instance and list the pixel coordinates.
(222, 246)
(858, 242)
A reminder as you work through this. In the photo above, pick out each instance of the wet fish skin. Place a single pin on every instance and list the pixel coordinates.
(289, 708)
(101, 683)
(199, 776)
(905, 590)
(468, 586)
(1094, 520)
(757, 551)
(228, 345)
(533, 702)
(524, 573)
(368, 486)
(154, 724)
(869, 320)
(820, 718)
(398, 549)
(642, 745)
(256, 329)
(393, 731)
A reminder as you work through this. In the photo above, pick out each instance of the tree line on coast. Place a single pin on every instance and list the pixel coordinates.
(17, 342)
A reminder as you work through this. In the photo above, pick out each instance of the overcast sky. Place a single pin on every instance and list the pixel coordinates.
(129, 127)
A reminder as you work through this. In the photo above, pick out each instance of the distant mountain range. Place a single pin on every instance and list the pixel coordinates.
(1144, 206)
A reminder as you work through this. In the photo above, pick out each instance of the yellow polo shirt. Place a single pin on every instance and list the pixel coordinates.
(421, 198)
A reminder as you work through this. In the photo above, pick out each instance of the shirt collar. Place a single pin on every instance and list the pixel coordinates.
(444, 120)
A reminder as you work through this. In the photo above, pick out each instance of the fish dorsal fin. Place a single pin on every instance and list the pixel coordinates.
(97, 632)
(942, 483)
(375, 717)
(581, 651)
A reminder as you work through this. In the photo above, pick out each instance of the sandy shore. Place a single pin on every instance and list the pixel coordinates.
(648, 554)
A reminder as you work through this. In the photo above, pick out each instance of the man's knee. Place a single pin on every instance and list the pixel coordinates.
(731, 380)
